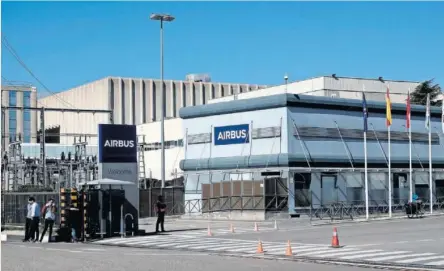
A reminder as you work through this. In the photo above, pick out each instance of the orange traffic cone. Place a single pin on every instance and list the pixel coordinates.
(260, 248)
(231, 228)
(256, 228)
(209, 231)
(288, 251)
(335, 239)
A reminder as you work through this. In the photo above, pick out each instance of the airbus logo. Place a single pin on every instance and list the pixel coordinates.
(224, 135)
(119, 143)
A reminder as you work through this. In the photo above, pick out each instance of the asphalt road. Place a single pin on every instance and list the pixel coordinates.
(18, 256)
(419, 235)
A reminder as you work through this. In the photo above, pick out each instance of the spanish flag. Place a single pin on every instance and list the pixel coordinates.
(388, 108)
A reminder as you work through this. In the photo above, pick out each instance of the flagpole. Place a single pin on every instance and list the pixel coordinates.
(366, 175)
(389, 124)
(389, 173)
(410, 152)
(431, 170)
(430, 153)
(364, 105)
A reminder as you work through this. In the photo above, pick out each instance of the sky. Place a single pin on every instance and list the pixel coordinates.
(67, 44)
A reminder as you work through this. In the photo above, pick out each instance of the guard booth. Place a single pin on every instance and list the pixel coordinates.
(109, 208)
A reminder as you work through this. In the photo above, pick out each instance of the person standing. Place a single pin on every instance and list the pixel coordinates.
(48, 212)
(28, 219)
(35, 214)
(74, 221)
(160, 206)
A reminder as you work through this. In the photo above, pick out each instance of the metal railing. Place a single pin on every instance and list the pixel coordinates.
(347, 210)
(13, 206)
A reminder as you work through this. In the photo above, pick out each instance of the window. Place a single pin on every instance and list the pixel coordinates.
(27, 137)
(12, 98)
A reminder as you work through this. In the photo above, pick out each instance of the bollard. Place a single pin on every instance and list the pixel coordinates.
(121, 222)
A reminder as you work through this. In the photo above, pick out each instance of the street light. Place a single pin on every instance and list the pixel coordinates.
(162, 18)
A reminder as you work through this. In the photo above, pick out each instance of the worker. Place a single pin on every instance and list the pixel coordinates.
(48, 212)
(28, 219)
(161, 207)
(35, 214)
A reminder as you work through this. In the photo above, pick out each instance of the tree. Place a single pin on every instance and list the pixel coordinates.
(419, 95)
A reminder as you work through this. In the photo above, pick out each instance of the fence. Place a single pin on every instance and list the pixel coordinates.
(174, 198)
(14, 205)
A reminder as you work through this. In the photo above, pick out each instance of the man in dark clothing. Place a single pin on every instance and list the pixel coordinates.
(74, 221)
(160, 206)
(28, 219)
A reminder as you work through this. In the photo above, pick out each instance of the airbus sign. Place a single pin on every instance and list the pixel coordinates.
(117, 143)
(232, 134)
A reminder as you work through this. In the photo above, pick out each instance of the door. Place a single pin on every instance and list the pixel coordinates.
(329, 190)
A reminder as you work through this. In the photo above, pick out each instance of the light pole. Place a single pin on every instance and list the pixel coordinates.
(162, 18)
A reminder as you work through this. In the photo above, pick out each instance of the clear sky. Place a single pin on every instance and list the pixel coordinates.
(67, 44)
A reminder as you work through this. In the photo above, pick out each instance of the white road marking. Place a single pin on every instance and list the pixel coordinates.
(398, 257)
(331, 253)
(93, 249)
(420, 259)
(436, 263)
(373, 254)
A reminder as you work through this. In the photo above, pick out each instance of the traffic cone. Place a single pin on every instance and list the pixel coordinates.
(231, 228)
(288, 251)
(335, 239)
(275, 225)
(209, 230)
(256, 228)
(260, 248)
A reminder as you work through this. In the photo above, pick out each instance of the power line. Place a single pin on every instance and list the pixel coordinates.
(11, 50)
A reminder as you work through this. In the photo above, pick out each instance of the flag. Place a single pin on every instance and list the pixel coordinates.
(408, 111)
(364, 111)
(427, 120)
(388, 108)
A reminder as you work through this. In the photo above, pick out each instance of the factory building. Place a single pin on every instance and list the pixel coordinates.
(291, 154)
(132, 101)
(18, 123)
(336, 87)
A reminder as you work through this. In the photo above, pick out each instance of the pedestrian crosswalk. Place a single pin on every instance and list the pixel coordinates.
(248, 248)
(220, 231)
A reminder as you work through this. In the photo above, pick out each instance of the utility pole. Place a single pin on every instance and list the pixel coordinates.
(162, 18)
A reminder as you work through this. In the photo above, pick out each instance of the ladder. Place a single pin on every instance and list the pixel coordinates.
(141, 161)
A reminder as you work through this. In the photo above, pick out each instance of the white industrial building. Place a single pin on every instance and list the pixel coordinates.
(132, 101)
(128, 108)
(336, 87)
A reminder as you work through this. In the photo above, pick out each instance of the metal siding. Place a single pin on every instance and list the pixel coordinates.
(260, 119)
(353, 120)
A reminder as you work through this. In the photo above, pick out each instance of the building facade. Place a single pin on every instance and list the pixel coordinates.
(18, 124)
(307, 148)
(337, 87)
(132, 100)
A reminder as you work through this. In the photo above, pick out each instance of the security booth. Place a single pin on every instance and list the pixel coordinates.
(109, 208)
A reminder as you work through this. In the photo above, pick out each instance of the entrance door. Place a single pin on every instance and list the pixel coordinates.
(329, 190)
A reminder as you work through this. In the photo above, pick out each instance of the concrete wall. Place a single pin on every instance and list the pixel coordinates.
(94, 95)
(133, 101)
